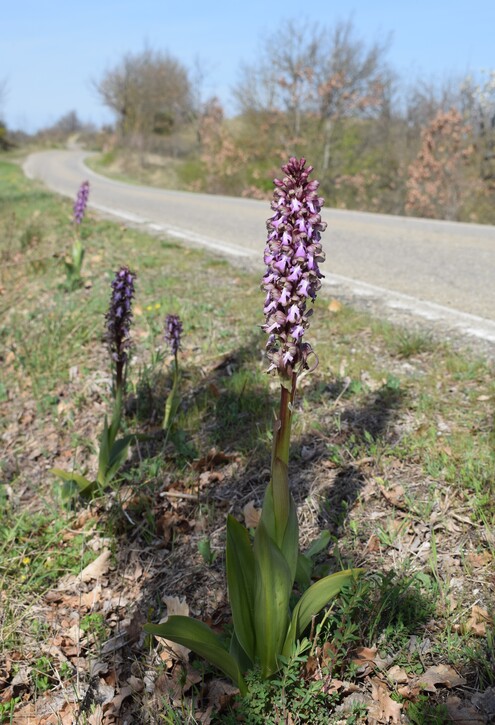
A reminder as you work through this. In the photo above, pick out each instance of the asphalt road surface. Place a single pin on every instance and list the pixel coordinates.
(440, 271)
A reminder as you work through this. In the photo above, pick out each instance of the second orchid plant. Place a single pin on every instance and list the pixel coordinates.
(73, 264)
(261, 573)
(173, 332)
(112, 450)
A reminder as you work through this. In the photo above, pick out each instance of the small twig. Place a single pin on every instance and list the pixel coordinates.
(180, 494)
(347, 382)
(465, 520)
(465, 610)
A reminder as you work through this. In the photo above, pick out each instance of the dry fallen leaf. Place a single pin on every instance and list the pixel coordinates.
(333, 686)
(96, 716)
(477, 622)
(251, 515)
(97, 568)
(334, 305)
(208, 477)
(213, 458)
(116, 703)
(373, 544)
(367, 659)
(463, 713)
(384, 708)
(176, 606)
(220, 694)
(394, 495)
(479, 559)
(398, 675)
(485, 702)
(171, 650)
(439, 675)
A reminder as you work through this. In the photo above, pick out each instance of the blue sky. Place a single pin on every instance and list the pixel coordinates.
(50, 50)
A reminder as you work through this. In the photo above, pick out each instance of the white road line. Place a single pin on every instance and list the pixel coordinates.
(465, 322)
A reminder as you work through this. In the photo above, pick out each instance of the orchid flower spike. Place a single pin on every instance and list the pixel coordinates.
(292, 254)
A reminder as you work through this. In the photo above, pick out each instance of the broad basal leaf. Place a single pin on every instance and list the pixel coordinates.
(116, 419)
(313, 600)
(240, 580)
(290, 541)
(319, 544)
(118, 454)
(84, 485)
(200, 639)
(171, 405)
(104, 453)
(303, 571)
(271, 602)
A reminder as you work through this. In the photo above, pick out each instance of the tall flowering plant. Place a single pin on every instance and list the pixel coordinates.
(173, 333)
(261, 573)
(73, 264)
(113, 450)
(119, 318)
(81, 203)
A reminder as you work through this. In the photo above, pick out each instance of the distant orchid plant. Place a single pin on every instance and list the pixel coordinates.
(113, 450)
(173, 332)
(119, 318)
(261, 574)
(81, 202)
(73, 264)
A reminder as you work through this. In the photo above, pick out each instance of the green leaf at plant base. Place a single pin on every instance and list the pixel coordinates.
(114, 428)
(305, 561)
(239, 654)
(273, 585)
(289, 539)
(85, 486)
(313, 600)
(171, 405)
(240, 581)
(104, 453)
(118, 454)
(304, 571)
(199, 638)
(77, 255)
(319, 544)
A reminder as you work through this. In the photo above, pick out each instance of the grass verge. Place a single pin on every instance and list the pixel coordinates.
(392, 456)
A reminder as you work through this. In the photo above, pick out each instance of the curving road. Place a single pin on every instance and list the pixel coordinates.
(441, 271)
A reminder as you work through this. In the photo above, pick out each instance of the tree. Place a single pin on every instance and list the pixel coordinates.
(4, 142)
(479, 106)
(310, 75)
(149, 92)
(222, 158)
(354, 82)
(437, 185)
(284, 79)
(68, 123)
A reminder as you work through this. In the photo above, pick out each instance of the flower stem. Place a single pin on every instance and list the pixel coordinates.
(280, 460)
(283, 423)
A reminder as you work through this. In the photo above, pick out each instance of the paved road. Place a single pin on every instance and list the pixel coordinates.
(438, 270)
